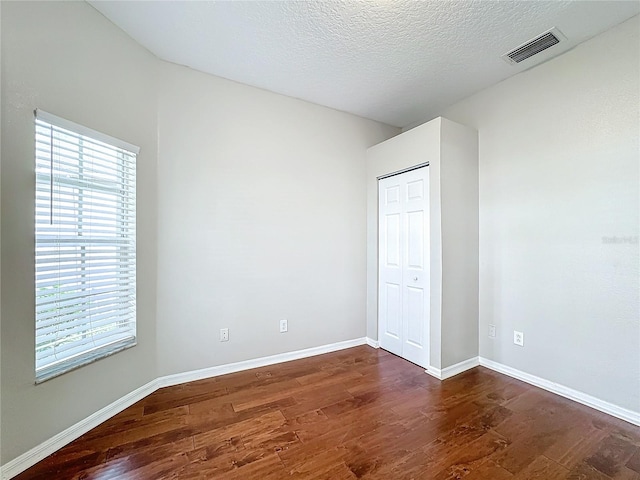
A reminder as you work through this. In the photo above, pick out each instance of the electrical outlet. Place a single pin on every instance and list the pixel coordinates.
(492, 331)
(518, 338)
(224, 334)
(284, 326)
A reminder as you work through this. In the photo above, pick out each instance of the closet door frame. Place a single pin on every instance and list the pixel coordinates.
(403, 264)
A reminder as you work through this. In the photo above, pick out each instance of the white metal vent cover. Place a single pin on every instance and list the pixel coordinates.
(534, 46)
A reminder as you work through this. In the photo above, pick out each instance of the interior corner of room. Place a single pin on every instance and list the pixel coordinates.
(255, 207)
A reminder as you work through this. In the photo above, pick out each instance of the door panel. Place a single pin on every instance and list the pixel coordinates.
(392, 252)
(415, 316)
(393, 311)
(415, 240)
(403, 292)
(392, 195)
(415, 190)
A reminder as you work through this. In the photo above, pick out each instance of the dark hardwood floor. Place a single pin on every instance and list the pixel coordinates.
(358, 413)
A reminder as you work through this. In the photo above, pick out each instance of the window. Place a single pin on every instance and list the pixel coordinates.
(85, 245)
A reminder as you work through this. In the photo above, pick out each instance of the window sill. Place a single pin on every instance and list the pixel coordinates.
(68, 365)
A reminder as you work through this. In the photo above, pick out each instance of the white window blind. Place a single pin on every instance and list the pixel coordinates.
(85, 245)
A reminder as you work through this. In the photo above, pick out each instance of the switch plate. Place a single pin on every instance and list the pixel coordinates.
(284, 325)
(224, 334)
(518, 338)
(492, 331)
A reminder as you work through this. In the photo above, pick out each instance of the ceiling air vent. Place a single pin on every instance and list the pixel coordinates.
(534, 46)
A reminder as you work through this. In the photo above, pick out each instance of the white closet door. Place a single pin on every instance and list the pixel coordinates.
(403, 284)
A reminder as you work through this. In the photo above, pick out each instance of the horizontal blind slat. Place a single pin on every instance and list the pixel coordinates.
(77, 326)
(103, 191)
(115, 300)
(67, 166)
(96, 284)
(45, 308)
(69, 314)
(66, 150)
(108, 288)
(85, 278)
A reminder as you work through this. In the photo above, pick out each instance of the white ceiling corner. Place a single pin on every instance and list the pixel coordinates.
(396, 61)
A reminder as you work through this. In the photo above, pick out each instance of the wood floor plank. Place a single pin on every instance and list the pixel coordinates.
(634, 461)
(582, 471)
(576, 443)
(315, 398)
(489, 470)
(461, 462)
(359, 413)
(613, 453)
(543, 468)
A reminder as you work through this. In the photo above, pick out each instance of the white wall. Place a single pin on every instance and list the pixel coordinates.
(65, 58)
(261, 216)
(559, 158)
(459, 203)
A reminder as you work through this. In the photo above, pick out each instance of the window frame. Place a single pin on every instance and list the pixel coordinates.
(102, 244)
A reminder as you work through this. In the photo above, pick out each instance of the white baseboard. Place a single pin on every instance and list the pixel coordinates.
(194, 375)
(46, 448)
(448, 372)
(373, 343)
(580, 397)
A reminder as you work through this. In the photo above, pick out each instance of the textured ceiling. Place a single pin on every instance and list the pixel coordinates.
(396, 61)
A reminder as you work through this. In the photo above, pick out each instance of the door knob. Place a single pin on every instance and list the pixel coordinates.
(415, 279)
